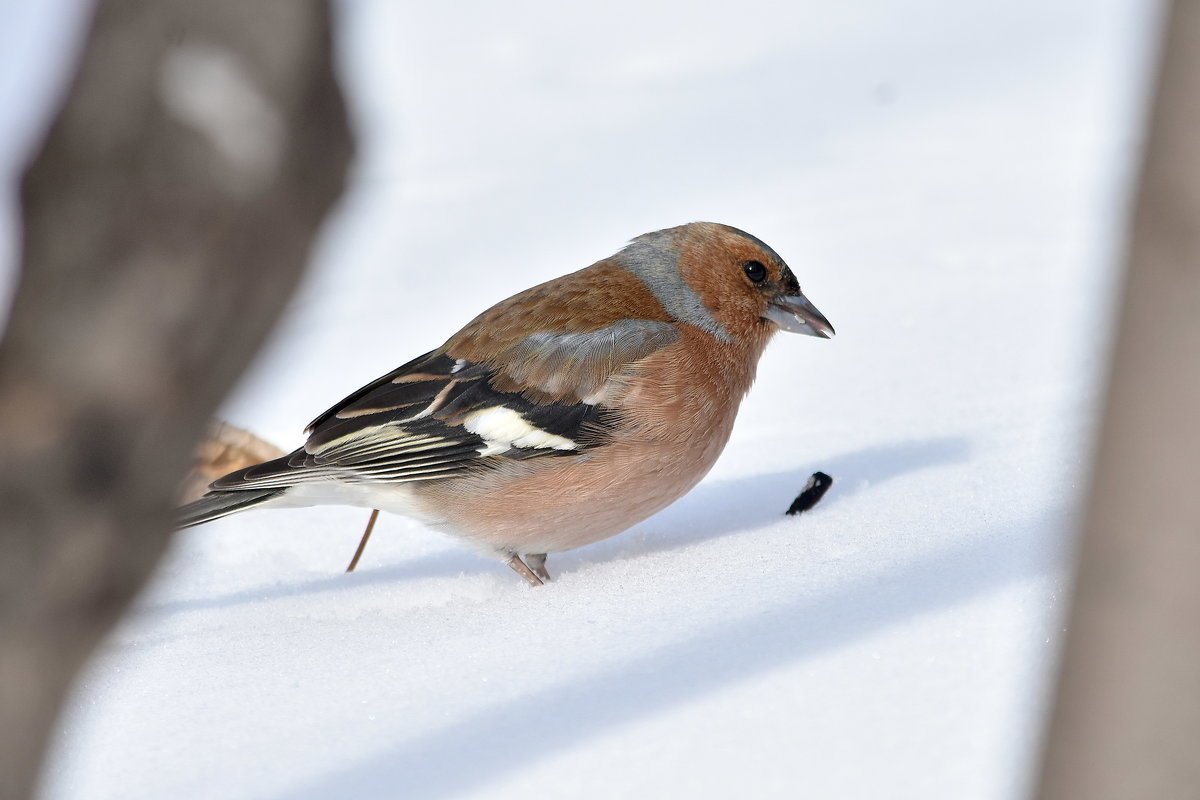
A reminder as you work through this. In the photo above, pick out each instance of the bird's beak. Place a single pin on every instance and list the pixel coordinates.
(793, 313)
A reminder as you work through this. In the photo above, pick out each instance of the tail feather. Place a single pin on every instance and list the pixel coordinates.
(215, 505)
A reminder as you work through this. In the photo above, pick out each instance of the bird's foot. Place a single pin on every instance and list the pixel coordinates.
(537, 563)
(522, 569)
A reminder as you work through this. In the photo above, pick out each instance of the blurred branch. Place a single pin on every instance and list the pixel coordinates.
(1127, 719)
(223, 449)
(167, 219)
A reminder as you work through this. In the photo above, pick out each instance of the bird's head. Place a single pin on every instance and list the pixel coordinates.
(723, 280)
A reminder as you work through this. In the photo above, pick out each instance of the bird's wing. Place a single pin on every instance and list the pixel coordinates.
(439, 416)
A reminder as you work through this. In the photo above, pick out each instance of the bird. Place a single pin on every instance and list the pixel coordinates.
(560, 416)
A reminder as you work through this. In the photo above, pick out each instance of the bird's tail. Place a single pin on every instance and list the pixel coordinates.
(215, 505)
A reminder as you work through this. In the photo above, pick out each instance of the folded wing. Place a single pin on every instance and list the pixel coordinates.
(438, 416)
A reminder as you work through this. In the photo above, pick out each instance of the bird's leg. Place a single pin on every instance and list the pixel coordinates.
(524, 571)
(537, 563)
(362, 545)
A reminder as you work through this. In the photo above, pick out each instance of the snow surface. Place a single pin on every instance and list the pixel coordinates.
(948, 181)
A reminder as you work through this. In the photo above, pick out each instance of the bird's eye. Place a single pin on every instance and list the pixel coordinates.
(755, 271)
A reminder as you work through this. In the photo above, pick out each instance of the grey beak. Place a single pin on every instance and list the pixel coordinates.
(793, 313)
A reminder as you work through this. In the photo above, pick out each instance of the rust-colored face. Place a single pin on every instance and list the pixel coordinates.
(744, 283)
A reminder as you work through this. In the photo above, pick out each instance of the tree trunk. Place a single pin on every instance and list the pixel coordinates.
(167, 219)
(1127, 719)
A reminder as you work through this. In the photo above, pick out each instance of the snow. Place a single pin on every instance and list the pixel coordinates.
(948, 180)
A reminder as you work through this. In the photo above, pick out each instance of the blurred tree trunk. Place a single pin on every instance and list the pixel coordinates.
(1127, 720)
(167, 219)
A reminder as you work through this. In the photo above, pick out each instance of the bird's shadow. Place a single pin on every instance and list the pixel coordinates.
(489, 743)
(713, 510)
(726, 507)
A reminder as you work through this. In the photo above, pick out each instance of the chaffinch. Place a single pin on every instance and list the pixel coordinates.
(560, 416)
